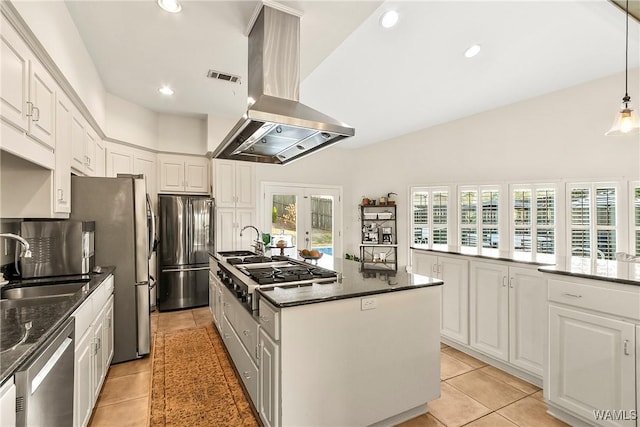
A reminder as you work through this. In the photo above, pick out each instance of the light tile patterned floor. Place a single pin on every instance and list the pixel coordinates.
(472, 393)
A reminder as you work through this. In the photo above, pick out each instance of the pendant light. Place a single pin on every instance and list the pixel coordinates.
(626, 121)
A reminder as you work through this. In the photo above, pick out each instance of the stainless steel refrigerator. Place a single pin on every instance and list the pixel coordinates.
(185, 240)
(124, 236)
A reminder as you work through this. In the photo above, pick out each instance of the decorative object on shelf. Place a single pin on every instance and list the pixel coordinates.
(626, 121)
(378, 245)
(390, 198)
(365, 201)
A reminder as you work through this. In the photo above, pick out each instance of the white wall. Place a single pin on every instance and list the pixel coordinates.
(51, 23)
(129, 122)
(552, 137)
(217, 128)
(179, 134)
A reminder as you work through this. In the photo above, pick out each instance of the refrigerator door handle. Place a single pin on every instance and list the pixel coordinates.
(152, 232)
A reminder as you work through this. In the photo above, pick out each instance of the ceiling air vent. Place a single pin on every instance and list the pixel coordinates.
(213, 74)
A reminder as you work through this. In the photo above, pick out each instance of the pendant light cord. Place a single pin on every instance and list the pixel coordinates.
(626, 98)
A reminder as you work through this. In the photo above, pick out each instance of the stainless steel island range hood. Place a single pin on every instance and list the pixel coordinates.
(277, 128)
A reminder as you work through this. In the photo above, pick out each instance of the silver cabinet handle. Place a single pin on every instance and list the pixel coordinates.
(29, 109)
(434, 268)
(504, 281)
(245, 332)
(571, 295)
(264, 319)
(60, 194)
(36, 117)
(226, 336)
(511, 282)
(246, 375)
(626, 348)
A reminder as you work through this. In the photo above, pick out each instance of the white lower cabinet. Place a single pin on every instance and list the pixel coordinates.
(8, 403)
(592, 372)
(269, 382)
(507, 308)
(454, 322)
(93, 349)
(592, 363)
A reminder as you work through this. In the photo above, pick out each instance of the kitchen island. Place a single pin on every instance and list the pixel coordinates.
(363, 350)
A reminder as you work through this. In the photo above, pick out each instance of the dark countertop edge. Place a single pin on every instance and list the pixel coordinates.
(487, 257)
(95, 282)
(551, 270)
(263, 294)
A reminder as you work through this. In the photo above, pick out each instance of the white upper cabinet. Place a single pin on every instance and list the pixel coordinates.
(78, 132)
(101, 158)
(234, 184)
(27, 101)
(183, 174)
(62, 172)
(90, 152)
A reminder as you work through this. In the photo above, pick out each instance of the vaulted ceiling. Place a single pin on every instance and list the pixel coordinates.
(384, 82)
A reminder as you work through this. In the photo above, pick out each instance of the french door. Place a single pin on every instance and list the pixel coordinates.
(303, 217)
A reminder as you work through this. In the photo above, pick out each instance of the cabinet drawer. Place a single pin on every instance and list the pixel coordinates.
(605, 297)
(247, 370)
(100, 297)
(247, 329)
(270, 320)
(83, 318)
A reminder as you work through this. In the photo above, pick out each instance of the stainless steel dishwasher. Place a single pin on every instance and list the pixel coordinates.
(44, 384)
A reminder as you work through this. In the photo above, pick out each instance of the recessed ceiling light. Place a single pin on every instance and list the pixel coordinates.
(472, 51)
(166, 90)
(389, 18)
(172, 6)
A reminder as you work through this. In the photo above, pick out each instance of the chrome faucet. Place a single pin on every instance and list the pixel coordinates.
(258, 242)
(26, 251)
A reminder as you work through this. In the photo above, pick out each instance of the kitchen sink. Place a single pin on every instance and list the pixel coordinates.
(229, 254)
(43, 291)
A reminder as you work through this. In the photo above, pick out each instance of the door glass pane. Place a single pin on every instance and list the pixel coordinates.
(284, 224)
(322, 229)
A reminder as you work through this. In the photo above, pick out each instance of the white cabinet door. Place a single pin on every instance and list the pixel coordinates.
(78, 135)
(225, 229)
(219, 307)
(527, 319)
(244, 217)
(225, 183)
(42, 95)
(212, 297)
(591, 363)
(98, 367)
(107, 335)
(145, 164)
(269, 379)
(455, 298)
(8, 403)
(14, 75)
(119, 160)
(424, 264)
(171, 175)
(244, 185)
(101, 158)
(62, 203)
(196, 176)
(83, 390)
(489, 309)
(90, 152)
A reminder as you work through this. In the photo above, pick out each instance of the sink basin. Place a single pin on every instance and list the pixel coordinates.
(229, 254)
(42, 291)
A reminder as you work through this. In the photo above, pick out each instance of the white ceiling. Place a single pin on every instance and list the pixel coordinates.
(384, 82)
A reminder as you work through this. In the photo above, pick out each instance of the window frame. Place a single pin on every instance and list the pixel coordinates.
(634, 229)
(593, 227)
(533, 226)
(480, 226)
(429, 224)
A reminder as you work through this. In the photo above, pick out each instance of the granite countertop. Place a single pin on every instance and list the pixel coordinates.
(598, 269)
(496, 255)
(353, 284)
(45, 314)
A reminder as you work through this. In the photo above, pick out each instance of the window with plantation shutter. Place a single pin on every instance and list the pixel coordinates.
(634, 222)
(479, 217)
(430, 217)
(533, 218)
(592, 219)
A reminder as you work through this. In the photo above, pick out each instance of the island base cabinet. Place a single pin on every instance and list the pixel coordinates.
(247, 370)
(8, 403)
(591, 365)
(365, 366)
(269, 384)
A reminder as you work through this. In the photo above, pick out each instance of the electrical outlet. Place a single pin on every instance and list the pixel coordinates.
(368, 303)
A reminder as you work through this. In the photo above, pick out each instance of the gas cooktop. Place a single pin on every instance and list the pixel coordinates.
(255, 259)
(287, 272)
